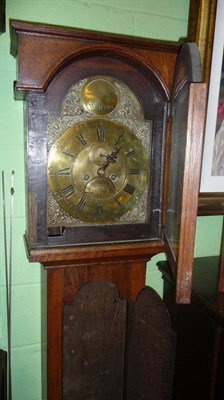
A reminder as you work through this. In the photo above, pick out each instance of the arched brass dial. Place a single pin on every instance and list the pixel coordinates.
(97, 170)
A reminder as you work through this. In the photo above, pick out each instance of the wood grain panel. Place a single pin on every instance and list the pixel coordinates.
(54, 47)
(94, 343)
(151, 349)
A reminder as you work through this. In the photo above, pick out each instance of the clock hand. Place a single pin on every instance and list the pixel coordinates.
(111, 159)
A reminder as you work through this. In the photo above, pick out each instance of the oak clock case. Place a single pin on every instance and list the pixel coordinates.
(98, 167)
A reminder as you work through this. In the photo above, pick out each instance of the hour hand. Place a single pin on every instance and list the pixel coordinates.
(110, 159)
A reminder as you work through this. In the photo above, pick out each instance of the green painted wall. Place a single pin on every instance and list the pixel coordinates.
(161, 19)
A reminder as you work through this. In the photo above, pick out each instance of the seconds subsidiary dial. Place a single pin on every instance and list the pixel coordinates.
(97, 170)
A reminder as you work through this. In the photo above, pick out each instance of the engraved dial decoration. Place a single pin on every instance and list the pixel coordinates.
(97, 170)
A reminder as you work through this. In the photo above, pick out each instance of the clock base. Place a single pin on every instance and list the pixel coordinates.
(78, 297)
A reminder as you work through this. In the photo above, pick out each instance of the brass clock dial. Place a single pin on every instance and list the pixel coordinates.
(97, 170)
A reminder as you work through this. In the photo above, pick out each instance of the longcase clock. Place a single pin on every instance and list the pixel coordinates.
(114, 139)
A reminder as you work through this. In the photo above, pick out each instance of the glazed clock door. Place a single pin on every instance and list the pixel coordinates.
(188, 114)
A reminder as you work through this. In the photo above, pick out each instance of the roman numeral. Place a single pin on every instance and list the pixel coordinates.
(81, 203)
(81, 138)
(100, 208)
(119, 139)
(68, 191)
(130, 153)
(134, 171)
(117, 201)
(68, 154)
(65, 171)
(51, 171)
(129, 189)
(101, 134)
